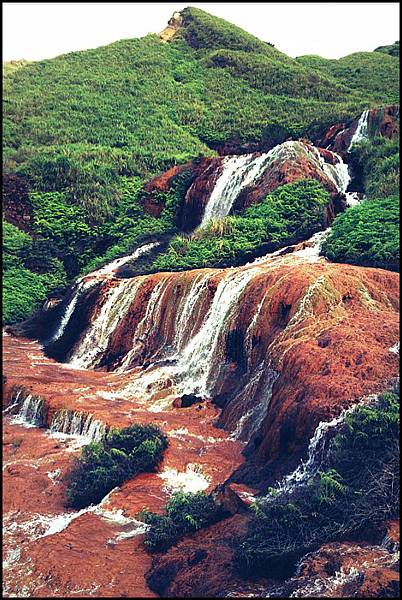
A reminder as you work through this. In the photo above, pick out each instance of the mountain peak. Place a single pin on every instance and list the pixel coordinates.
(174, 23)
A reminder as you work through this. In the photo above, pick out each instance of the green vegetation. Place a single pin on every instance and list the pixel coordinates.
(120, 456)
(366, 234)
(129, 223)
(373, 73)
(392, 49)
(377, 161)
(24, 290)
(290, 213)
(85, 130)
(185, 514)
(356, 489)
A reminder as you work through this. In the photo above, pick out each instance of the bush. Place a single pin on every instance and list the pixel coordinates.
(120, 456)
(185, 514)
(24, 290)
(289, 214)
(366, 234)
(377, 162)
(357, 488)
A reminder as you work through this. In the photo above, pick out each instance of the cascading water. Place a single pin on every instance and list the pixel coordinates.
(110, 268)
(30, 412)
(78, 424)
(82, 285)
(361, 132)
(91, 279)
(317, 449)
(194, 369)
(259, 386)
(339, 174)
(238, 172)
(117, 302)
(147, 323)
(186, 312)
(196, 363)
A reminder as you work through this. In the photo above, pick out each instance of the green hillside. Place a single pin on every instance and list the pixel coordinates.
(85, 130)
(374, 74)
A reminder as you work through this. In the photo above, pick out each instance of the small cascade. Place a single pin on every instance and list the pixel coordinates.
(147, 324)
(194, 369)
(116, 304)
(202, 353)
(186, 312)
(259, 391)
(31, 410)
(361, 132)
(238, 172)
(78, 424)
(81, 286)
(317, 450)
(84, 284)
(109, 270)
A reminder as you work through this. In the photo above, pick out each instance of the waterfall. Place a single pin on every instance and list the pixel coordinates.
(361, 132)
(78, 424)
(81, 286)
(196, 363)
(192, 371)
(88, 281)
(117, 302)
(317, 449)
(238, 172)
(149, 321)
(110, 269)
(186, 312)
(250, 422)
(31, 410)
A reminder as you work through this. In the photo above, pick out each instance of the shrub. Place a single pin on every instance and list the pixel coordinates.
(357, 488)
(120, 456)
(366, 234)
(185, 513)
(290, 213)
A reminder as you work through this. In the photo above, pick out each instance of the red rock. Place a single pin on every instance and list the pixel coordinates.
(381, 121)
(326, 329)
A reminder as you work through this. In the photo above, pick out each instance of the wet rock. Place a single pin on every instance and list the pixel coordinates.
(187, 400)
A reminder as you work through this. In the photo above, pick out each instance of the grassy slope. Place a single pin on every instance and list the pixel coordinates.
(373, 73)
(80, 126)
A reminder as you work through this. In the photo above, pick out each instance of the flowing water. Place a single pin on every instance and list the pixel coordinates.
(75, 423)
(31, 410)
(117, 302)
(238, 172)
(361, 132)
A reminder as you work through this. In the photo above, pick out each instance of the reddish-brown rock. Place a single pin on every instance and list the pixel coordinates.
(324, 329)
(381, 121)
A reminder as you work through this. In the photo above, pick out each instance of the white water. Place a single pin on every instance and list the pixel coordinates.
(238, 172)
(186, 312)
(191, 480)
(194, 369)
(264, 378)
(88, 281)
(195, 366)
(30, 413)
(75, 423)
(110, 268)
(316, 450)
(43, 525)
(81, 286)
(361, 132)
(116, 304)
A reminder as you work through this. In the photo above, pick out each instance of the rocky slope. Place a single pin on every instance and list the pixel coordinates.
(280, 344)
